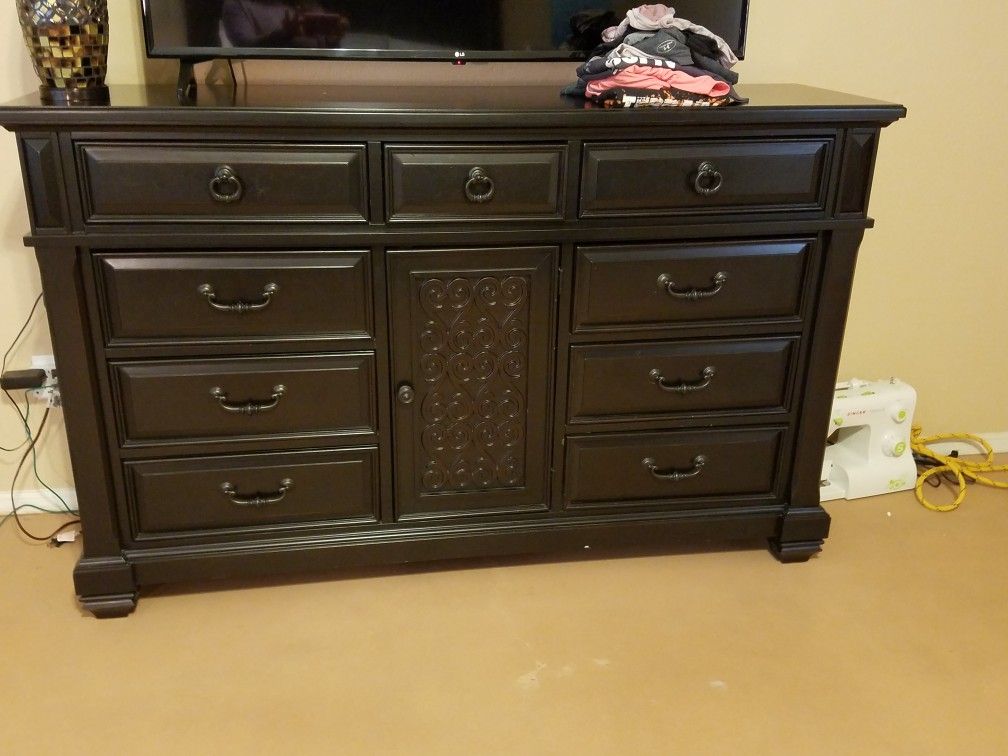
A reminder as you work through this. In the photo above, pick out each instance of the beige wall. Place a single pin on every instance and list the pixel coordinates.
(19, 281)
(929, 303)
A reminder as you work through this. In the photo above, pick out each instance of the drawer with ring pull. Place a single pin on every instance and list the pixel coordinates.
(709, 176)
(665, 380)
(474, 182)
(682, 469)
(154, 297)
(325, 396)
(252, 492)
(177, 181)
(658, 286)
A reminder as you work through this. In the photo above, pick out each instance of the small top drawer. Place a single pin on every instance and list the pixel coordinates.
(706, 176)
(657, 286)
(474, 182)
(159, 181)
(249, 296)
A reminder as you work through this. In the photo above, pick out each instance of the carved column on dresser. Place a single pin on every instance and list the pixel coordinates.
(805, 525)
(103, 579)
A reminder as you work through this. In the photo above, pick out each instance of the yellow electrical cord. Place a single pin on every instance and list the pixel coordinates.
(961, 468)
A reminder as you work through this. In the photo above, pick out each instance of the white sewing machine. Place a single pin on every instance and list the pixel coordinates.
(868, 440)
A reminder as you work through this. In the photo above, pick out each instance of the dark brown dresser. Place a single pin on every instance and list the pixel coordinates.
(300, 328)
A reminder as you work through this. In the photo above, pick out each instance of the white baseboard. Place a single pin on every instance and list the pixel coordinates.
(38, 498)
(998, 441)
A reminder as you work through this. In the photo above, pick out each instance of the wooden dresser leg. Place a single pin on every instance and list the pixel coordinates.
(801, 535)
(109, 607)
(105, 586)
(796, 551)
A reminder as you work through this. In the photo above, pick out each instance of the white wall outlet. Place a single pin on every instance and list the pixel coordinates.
(50, 392)
(45, 362)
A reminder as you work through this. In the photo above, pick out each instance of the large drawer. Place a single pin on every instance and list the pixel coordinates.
(474, 182)
(161, 181)
(240, 398)
(177, 297)
(709, 176)
(638, 381)
(678, 469)
(255, 491)
(655, 286)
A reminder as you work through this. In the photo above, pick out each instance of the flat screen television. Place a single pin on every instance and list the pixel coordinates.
(450, 30)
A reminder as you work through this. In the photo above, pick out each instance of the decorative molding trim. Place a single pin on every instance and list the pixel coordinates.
(998, 441)
(38, 498)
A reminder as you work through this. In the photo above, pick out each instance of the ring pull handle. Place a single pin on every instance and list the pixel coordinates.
(676, 475)
(257, 499)
(480, 187)
(225, 186)
(717, 283)
(269, 290)
(250, 407)
(708, 180)
(683, 387)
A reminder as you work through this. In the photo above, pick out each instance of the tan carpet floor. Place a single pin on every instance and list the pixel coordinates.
(893, 641)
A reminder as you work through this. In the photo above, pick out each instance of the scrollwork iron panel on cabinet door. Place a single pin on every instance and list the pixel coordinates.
(472, 348)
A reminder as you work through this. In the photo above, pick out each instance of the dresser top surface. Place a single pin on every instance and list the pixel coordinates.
(462, 106)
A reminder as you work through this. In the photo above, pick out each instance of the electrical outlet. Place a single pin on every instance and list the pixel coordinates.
(49, 394)
(45, 362)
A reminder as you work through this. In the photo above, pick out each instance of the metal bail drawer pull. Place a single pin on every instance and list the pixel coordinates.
(225, 186)
(675, 475)
(682, 387)
(258, 499)
(717, 283)
(708, 180)
(480, 187)
(249, 407)
(206, 290)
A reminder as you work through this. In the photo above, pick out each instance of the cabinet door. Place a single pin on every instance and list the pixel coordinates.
(472, 348)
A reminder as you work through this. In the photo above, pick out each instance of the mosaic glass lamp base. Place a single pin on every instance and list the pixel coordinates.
(68, 41)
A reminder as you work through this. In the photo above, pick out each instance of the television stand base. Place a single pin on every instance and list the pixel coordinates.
(186, 86)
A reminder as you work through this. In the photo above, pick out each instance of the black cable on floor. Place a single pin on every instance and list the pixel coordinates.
(926, 463)
(17, 471)
(24, 422)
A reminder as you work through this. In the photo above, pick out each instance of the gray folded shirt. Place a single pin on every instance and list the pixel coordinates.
(669, 44)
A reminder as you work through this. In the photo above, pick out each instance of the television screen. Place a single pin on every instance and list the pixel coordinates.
(405, 29)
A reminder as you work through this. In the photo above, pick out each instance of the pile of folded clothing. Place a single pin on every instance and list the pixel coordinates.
(654, 58)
